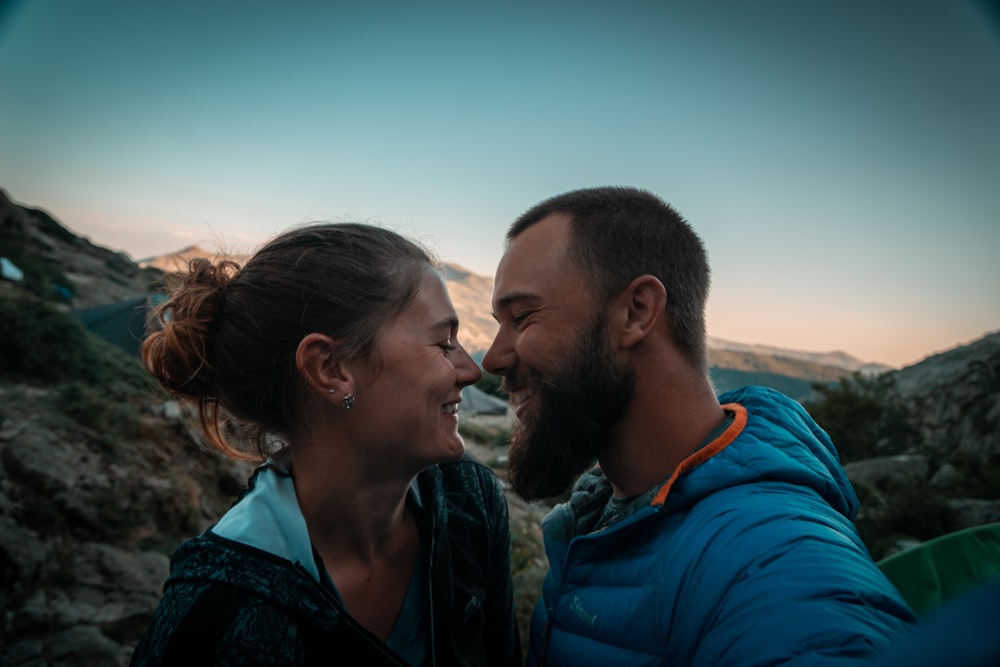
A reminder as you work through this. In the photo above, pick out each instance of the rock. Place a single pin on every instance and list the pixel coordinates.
(83, 645)
(43, 460)
(24, 653)
(23, 558)
(880, 472)
(947, 476)
(971, 512)
(114, 589)
(34, 617)
(172, 410)
(902, 544)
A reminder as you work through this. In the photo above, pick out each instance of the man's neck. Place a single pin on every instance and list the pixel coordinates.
(660, 430)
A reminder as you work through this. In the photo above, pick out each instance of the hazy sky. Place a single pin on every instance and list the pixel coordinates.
(840, 158)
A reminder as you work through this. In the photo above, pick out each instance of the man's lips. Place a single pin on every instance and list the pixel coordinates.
(520, 401)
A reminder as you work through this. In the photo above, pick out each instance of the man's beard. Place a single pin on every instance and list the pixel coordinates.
(579, 406)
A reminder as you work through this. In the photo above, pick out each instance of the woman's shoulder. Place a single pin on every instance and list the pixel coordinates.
(465, 487)
(466, 471)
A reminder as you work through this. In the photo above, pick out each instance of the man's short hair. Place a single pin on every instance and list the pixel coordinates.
(620, 233)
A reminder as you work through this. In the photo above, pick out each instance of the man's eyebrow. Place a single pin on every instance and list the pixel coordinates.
(504, 302)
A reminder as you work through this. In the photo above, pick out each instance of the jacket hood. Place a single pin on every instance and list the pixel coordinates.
(265, 532)
(265, 521)
(267, 517)
(772, 438)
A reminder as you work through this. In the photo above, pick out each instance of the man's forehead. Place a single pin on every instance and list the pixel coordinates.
(536, 263)
(539, 246)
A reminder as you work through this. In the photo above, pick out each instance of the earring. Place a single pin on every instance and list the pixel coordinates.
(348, 401)
(331, 391)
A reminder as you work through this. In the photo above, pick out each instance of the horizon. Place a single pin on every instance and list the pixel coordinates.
(838, 159)
(713, 340)
(717, 339)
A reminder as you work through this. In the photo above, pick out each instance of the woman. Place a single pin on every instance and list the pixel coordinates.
(365, 538)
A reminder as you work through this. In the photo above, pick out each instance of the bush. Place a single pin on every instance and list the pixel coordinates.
(114, 420)
(490, 384)
(41, 345)
(44, 346)
(41, 276)
(980, 476)
(904, 511)
(490, 436)
(864, 416)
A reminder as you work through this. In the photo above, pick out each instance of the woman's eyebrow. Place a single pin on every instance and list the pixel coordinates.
(447, 324)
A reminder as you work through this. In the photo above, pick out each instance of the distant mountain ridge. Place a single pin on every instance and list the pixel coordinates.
(836, 359)
(100, 276)
(471, 293)
(177, 261)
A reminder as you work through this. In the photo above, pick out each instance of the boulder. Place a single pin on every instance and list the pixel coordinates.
(880, 472)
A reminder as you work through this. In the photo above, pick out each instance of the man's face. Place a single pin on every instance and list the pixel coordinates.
(566, 386)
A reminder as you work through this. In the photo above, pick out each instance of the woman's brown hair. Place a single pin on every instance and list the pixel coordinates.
(226, 337)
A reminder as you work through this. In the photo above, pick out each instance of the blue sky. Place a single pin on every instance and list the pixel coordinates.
(840, 158)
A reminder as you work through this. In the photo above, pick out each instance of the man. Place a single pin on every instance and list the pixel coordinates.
(714, 530)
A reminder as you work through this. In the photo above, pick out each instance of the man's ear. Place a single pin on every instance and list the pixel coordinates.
(319, 361)
(642, 305)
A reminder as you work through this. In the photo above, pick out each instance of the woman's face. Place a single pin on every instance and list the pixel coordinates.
(408, 403)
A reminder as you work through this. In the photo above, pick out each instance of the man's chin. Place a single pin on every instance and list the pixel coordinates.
(530, 487)
(540, 479)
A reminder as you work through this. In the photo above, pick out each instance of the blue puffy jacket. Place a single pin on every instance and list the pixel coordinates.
(747, 555)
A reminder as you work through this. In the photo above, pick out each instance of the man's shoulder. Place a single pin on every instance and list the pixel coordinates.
(766, 504)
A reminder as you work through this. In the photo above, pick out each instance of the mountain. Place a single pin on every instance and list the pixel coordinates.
(792, 372)
(731, 364)
(471, 294)
(97, 276)
(57, 262)
(837, 359)
(940, 472)
(949, 367)
(177, 261)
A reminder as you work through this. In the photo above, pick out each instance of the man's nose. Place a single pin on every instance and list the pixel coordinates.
(500, 355)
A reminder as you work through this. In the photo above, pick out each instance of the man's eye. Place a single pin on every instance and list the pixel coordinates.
(447, 347)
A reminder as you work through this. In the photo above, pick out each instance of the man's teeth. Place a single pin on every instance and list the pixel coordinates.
(449, 408)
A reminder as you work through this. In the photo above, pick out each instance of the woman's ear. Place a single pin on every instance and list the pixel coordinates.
(643, 304)
(319, 362)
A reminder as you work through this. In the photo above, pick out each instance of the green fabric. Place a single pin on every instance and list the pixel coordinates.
(941, 568)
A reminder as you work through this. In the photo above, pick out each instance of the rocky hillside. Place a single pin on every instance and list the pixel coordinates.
(60, 264)
(945, 474)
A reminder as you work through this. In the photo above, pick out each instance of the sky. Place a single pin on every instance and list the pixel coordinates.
(839, 158)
